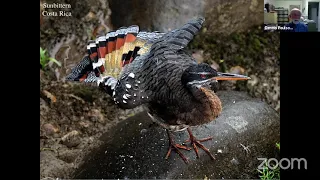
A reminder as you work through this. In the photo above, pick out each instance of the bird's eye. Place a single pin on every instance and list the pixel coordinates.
(203, 76)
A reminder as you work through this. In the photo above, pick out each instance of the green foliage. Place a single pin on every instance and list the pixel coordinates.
(45, 59)
(270, 173)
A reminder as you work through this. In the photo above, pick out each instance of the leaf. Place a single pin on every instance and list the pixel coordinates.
(42, 53)
(55, 61)
(278, 145)
(50, 96)
(42, 57)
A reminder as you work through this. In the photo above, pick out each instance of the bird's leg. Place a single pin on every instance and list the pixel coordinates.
(176, 147)
(195, 142)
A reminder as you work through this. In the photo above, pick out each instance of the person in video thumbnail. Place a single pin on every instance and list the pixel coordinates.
(295, 24)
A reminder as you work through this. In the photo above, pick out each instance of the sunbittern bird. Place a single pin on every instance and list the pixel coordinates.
(153, 69)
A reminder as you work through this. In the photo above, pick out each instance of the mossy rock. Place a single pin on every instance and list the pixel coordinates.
(238, 48)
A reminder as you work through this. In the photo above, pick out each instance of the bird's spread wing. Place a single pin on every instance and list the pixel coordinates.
(168, 44)
(134, 62)
(155, 72)
(179, 38)
(163, 53)
(108, 55)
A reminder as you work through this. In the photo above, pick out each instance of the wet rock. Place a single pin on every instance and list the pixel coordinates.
(246, 130)
(71, 139)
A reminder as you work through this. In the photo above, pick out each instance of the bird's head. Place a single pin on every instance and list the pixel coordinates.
(203, 75)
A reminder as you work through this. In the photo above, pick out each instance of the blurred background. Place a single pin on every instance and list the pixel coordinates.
(232, 40)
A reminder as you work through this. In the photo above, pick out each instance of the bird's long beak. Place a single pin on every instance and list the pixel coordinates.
(229, 76)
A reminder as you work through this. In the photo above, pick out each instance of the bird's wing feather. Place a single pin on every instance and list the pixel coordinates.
(155, 73)
(81, 70)
(139, 65)
(179, 38)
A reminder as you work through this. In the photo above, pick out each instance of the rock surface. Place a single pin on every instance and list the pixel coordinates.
(71, 125)
(164, 15)
(229, 16)
(161, 15)
(135, 148)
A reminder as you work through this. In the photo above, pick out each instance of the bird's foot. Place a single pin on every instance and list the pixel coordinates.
(197, 142)
(176, 147)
